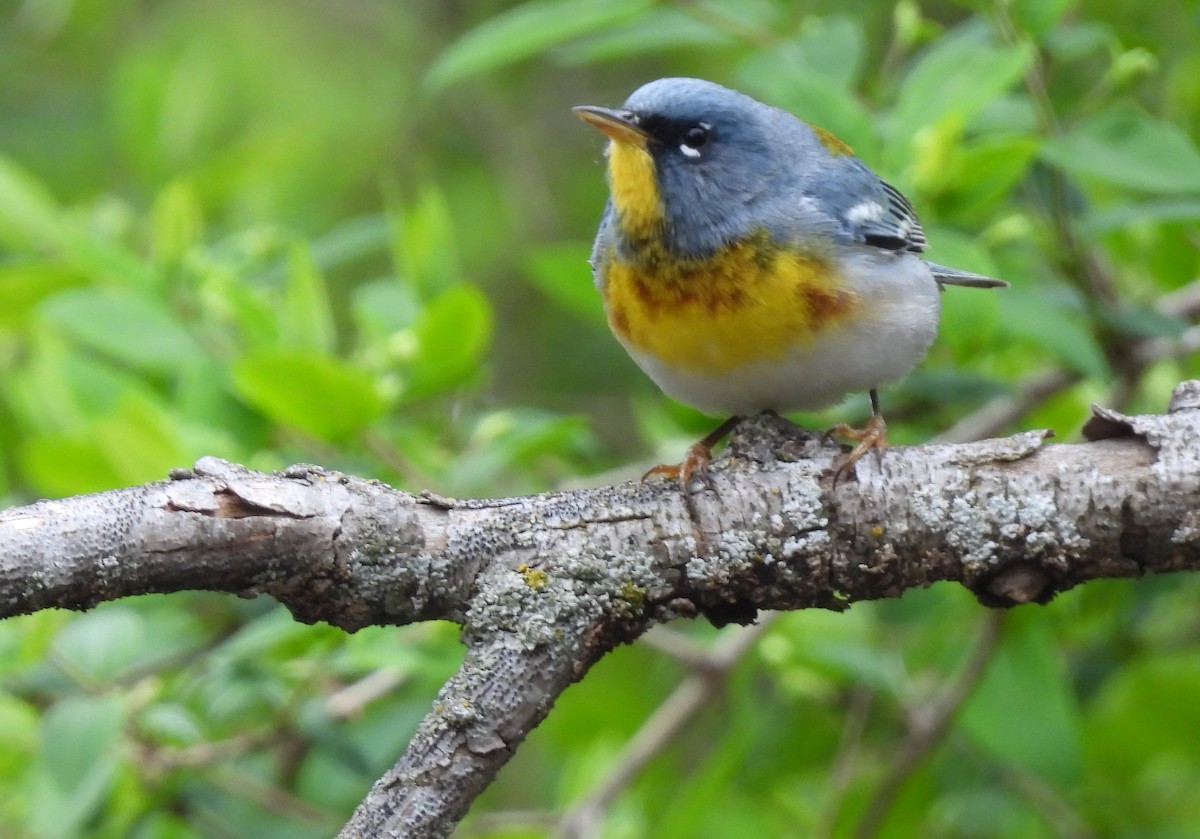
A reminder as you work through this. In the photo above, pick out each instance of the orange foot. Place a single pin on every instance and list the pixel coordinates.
(698, 456)
(872, 436)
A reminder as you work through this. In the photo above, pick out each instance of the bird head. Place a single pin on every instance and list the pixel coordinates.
(692, 165)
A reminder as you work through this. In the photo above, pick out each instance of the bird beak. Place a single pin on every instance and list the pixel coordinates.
(620, 125)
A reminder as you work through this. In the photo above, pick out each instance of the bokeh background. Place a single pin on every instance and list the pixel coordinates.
(354, 233)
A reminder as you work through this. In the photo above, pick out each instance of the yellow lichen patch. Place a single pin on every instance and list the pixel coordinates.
(749, 302)
(633, 594)
(832, 142)
(876, 531)
(634, 190)
(534, 578)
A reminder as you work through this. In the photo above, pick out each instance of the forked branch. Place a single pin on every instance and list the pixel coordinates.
(544, 585)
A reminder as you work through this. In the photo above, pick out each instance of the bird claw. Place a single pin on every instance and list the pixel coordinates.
(872, 436)
(698, 456)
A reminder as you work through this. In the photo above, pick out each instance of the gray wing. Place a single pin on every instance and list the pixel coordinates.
(895, 227)
(863, 208)
(873, 212)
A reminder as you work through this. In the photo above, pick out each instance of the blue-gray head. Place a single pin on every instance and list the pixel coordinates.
(697, 165)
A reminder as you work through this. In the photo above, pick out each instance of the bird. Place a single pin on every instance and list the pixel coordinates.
(748, 261)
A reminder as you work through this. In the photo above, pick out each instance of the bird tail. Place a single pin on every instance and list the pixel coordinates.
(952, 276)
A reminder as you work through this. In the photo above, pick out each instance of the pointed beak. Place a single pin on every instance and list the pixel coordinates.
(620, 125)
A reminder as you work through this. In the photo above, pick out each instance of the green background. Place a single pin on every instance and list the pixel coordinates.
(354, 233)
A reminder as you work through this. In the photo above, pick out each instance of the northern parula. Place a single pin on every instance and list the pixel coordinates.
(749, 261)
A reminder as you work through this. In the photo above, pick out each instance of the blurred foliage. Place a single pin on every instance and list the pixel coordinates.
(355, 233)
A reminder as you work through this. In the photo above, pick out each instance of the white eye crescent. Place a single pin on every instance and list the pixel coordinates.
(694, 139)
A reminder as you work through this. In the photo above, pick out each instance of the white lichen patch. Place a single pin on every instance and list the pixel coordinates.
(981, 529)
(538, 630)
(806, 544)
(1185, 535)
(803, 502)
(531, 609)
(1188, 530)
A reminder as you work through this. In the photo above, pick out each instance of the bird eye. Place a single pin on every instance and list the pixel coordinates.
(696, 136)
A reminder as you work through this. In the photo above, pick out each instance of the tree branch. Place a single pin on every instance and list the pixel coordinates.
(330, 547)
(545, 585)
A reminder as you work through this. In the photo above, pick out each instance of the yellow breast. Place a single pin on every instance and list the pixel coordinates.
(751, 302)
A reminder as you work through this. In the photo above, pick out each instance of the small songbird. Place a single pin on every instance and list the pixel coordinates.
(749, 261)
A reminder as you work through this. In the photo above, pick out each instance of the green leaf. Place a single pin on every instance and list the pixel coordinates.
(271, 635)
(1129, 148)
(104, 258)
(78, 762)
(561, 272)
(163, 826)
(25, 283)
(308, 322)
(384, 307)
(119, 639)
(317, 394)
(19, 722)
(29, 215)
(950, 247)
(62, 388)
(354, 239)
(654, 32)
(1081, 39)
(985, 812)
(954, 80)
(1024, 711)
(452, 335)
(102, 643)
(524, 31)
(1142, 321)
(249, 309)
(139, 439)
(831, 49)
(1034, 315)
(1119, 216)
(176, 222)
(133, 443)
(424, 246)
(59, 465)
(1037, 17)
(971, 320)
(171, 723)
(346, 243)
(1146, 714)
(985, 172)
(136, 330)
(31, 220)
(504, 440)
(809, 649)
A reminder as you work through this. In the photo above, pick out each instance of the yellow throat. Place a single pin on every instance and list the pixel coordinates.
(634, 188)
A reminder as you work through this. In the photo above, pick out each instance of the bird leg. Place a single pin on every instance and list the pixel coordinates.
(872, 436)
(698, 456)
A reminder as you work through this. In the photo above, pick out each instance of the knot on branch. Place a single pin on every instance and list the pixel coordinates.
(768, 438)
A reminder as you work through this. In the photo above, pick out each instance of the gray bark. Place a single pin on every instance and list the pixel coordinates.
(543, 586)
